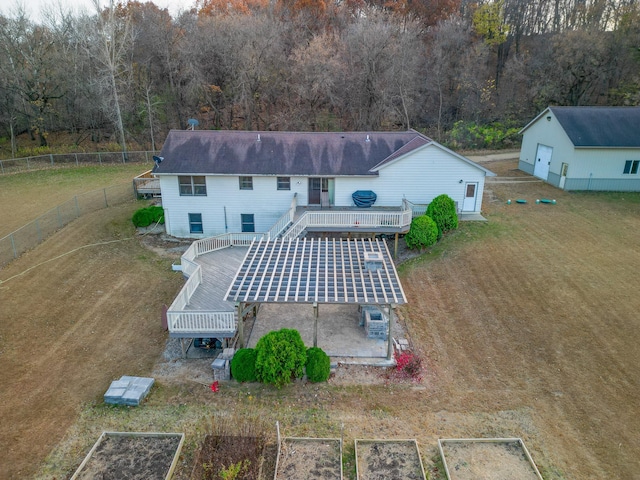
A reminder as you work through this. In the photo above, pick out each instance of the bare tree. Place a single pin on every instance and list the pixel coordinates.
(109, 44)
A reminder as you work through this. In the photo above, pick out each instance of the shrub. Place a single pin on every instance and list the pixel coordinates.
(142, 218)
(318, 365)
(243, 365)
(409, 365)
(442, 210)
(281, 356)
(157, 214)
(148, 215)
(422, 233)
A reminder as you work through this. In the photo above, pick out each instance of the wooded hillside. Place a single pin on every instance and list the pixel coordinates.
(466, 73)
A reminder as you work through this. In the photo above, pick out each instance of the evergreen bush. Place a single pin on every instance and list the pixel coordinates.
(442, 210)
(243, 365)
(281, 357)
(142, 218)
(148, 215)
(318, 365)
(423, 232)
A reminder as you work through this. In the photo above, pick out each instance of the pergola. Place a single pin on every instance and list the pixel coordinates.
(316, 271)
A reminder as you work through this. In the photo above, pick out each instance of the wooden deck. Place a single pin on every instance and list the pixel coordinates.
(218, 270)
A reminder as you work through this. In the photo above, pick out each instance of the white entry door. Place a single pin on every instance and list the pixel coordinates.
(470, 197)
(543, 160)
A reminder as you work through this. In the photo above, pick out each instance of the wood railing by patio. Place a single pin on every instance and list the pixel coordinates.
(352, 219)
(146, 184)
(223, 324)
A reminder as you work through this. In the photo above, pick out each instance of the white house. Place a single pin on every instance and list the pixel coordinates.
(216, 182)
(584, 148)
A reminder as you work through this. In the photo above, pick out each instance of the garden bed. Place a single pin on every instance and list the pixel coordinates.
(494, 458)
(221, 454)
(132, 456)
(388, 460)
(309, 459)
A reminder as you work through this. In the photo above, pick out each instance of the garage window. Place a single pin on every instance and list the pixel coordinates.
(631, 167)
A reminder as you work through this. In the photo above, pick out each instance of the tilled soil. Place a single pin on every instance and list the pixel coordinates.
(131, 458)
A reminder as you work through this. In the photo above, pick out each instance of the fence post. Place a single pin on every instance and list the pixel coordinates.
(76, 159)
(99, 158)
(123, 160)
(28, 166)
(51, 157)
(106, 204)
(1, 167)
(146, 156)
(13, 246)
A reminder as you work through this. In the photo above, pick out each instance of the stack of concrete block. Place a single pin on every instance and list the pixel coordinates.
(128, 390)
(222, 365)
(376, 324)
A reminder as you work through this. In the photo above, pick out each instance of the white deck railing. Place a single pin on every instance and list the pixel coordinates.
(206, 323)
(420, 209)
(211, 244)
(225, 323)
(285, 220)
(350, 220)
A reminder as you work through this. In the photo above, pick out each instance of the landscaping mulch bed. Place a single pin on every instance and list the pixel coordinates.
(134, 456)
(222, 453)
(310, 459)
(388, 460)
(502, 459)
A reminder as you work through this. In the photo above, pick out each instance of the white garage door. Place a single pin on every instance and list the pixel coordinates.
(543, 160)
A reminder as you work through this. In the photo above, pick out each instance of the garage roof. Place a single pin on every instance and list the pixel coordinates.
(602, 127)
(317, 271)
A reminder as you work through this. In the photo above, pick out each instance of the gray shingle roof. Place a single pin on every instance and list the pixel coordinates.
(600, 126)
(283, 153)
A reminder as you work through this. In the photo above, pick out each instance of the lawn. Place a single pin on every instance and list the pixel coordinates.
(26, 195)
(527, 325)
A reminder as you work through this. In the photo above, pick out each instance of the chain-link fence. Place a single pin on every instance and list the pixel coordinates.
(29, 236)
(52, 160)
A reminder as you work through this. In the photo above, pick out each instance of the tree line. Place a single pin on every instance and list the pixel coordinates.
(460, 71)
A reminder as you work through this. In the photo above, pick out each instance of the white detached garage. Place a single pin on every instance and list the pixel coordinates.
(584, 148)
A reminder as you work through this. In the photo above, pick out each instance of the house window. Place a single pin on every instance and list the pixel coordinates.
(246, 183)
(631, 166)
(192, 185)
(195, 223)
(284, 183)
(248, 222)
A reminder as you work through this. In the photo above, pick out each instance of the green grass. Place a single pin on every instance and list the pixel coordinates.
(467, 232)
(84, 177)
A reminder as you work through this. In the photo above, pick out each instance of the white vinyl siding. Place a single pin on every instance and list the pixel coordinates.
(265, 201)
(418, 177)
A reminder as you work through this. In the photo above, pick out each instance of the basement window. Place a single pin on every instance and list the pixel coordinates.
(195, 223)
(631, 167)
